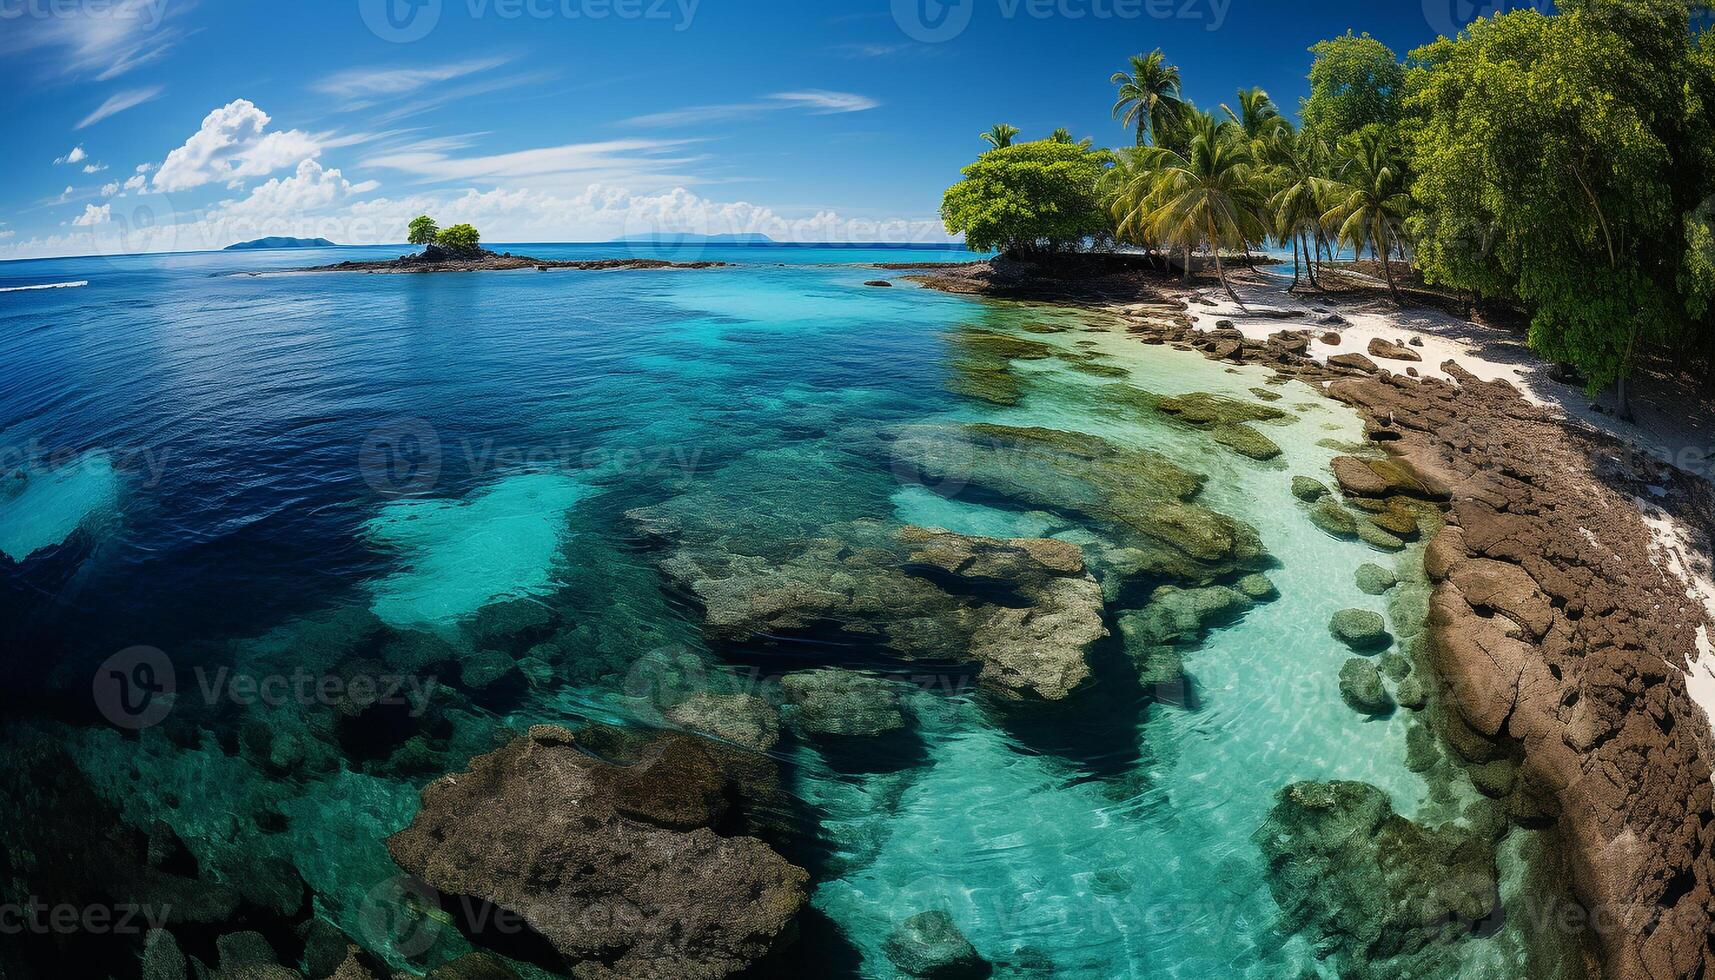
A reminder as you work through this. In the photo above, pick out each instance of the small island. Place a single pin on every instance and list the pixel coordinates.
(458, 248)
(278, 241)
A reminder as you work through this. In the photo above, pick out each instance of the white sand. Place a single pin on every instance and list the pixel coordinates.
(1680, 554)
(1487, 353)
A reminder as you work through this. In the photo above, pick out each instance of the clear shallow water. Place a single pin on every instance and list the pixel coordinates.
(284, 451)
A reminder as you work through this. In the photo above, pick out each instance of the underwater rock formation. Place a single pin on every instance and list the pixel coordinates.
(1382, 895)
(619, 869)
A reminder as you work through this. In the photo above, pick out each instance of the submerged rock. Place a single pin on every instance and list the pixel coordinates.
(1331, 517)
(545, 832)
(1201, 408)
(1361, 687)
(1246, 441)
(1307, 489)
(1258, 587)
(929, 945)
(1360, 629)
(1410, 694)
(1374, 579)
(841, 703)
(1383, 895)
(743, 719)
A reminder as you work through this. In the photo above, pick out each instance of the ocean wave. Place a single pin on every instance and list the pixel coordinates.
(45, 285)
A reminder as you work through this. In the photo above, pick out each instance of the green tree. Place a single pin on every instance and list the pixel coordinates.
(1000, 136)
(459, 238)
(1368, 202)
(1148, 99)
(1029, 198)
(1563, 161)
(1257, 114)
(1300, 171)
(1212, 194)
(422, 231)
(1355, 82)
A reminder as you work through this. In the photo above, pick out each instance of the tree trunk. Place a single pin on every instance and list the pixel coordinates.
(1622, 387)
(1294, 263)
(1220, 269)
(1185, 271)
(1311, 264)
(1387, 266)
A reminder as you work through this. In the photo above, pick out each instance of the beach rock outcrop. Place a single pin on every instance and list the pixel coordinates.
(1391, 351)
(1383, 895)
(598, 861)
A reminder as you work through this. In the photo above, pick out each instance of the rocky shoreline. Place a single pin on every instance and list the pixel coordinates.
(1559, 641)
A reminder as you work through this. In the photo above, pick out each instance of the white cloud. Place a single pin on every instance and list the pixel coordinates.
(144, 168)
(818, 101)
(119, 102)
(106, 38)
(825, 102)
(94, 168)
(381, 83)
(93, 215)
(110, 189)
(6, 233)
(75, 156)
(136, 183)
(232, 144)
(551, 167)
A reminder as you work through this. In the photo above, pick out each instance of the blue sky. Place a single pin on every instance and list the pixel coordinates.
(143, 125)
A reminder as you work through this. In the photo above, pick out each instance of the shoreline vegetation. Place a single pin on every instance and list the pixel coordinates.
(1559, 163)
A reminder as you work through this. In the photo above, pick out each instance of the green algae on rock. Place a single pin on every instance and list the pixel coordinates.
(1360, 629)
(1381, 894)
(1361, 687)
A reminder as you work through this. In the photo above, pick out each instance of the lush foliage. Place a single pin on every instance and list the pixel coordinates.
(1148, 97)
(1210, 194)
(423, 230)
(1355, 82)
(1000, 136)
(1029, 197)
(459, 238)
(1561, 162)
(1564, 161)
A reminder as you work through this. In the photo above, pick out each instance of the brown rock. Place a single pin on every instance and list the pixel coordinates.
(1355, 361)
(1392, 351)
(535, 828)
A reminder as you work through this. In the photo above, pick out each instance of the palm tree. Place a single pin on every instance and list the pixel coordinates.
(1300, 162)
(1148, 96)
(1000, 136)
(1369, 199)
(1257, 114)
(1210, 193)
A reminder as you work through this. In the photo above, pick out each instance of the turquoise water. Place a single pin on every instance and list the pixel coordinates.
(319, 471)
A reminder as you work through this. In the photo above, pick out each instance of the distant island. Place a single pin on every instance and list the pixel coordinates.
(279, 242)
(676, 238)
(459, 249)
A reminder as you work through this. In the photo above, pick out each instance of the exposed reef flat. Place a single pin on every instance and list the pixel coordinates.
(482, 260)
(1559, 638)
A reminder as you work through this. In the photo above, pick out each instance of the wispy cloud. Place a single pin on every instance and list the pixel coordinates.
(369, 84)
(817, 101)
(119, 102)
(77, 155)
(877, 50)
(102, 38)
(583, 163)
